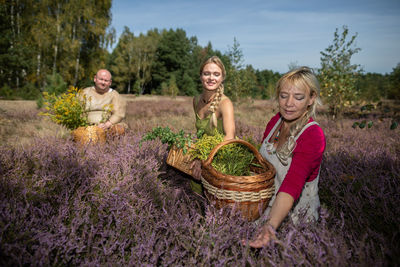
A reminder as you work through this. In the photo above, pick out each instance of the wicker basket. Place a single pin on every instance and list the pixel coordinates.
(89, 135)
(249, 194)
(177, 159)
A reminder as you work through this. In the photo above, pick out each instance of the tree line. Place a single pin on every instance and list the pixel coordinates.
(48, 45)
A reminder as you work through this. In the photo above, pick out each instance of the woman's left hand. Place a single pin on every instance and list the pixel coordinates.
(266, 234)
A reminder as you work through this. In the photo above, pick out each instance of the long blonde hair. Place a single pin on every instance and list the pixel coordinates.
(302, 77)
(220, 90)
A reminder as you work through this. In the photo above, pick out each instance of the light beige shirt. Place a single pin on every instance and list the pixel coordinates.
(97, 106)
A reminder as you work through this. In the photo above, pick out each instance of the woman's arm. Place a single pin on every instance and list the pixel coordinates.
(228, 118)
(279, 210)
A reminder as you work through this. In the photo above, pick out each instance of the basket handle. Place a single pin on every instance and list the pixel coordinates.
(214, 151)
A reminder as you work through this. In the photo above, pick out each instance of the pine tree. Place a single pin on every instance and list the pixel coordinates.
(173, 56)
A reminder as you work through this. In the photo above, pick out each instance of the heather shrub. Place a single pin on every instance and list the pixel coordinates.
(119, 204)
(361, 182)
(248, 132)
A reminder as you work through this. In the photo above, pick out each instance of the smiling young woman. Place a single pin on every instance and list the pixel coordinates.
(213, 110)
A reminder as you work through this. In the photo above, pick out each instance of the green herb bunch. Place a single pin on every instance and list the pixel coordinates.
(167, 136)
(233, 159)
(205, 144)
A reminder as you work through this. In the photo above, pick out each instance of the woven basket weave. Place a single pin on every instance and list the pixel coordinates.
(177, 159)
(249, 194)
(89, 135)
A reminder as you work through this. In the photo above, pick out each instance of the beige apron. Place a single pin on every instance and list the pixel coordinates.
(309, 199)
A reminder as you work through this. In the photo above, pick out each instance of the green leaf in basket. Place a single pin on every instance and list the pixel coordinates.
(167, 136)
(256, 165)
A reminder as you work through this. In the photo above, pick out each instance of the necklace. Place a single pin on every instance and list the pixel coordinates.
(278, 133)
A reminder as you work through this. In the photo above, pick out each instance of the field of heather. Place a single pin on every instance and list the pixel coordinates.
(120, 205)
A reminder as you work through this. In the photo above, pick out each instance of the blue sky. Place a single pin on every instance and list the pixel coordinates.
(274, 33)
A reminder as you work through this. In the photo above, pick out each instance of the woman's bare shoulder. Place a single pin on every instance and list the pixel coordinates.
(225, 100)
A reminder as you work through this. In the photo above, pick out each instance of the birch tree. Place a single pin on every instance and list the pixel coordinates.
(338, 76)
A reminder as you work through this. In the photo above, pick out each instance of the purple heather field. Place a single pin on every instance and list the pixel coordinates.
(119, 204)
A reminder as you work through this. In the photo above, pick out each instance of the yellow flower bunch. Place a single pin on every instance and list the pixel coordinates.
(67, 109)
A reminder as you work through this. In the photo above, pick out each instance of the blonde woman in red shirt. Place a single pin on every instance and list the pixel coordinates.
(294, 143)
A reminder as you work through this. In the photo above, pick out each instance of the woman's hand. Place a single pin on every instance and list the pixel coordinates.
(266, 234)
(280, 209)
(196, 168)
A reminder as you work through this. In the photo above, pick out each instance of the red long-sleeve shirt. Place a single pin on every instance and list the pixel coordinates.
(306, 158)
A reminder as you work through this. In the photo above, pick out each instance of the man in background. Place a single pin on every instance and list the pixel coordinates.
(106, 108)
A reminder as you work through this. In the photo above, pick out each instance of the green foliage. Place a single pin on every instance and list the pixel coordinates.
(6, 92)
(239, 81)
(205, 144)
(172, 87)
(40, 102)
(189, 86)
(124, 64)
(372, 87)
(29, 91)
(174, 56)
(232, 159)
(266, 80)
(393, 125)
(132, 59)
(137, 89)
(362, 124)
(44, 37)
(366, 109)
(164, 88)
(337, 75)
(55, 84)
(167, 136)
(67, 109)
(394, 83)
